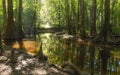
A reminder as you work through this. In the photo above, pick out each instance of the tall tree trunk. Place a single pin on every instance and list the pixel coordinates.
(9, 35)
(104, 35)
(4, 24)
(93, 18)
(73, 17)
(19, 30)
(4, 15)
(35, 18)
(59, 14)
(67, 10)
(20, 36)
(1, 49)
(78, 17)
(82, 17)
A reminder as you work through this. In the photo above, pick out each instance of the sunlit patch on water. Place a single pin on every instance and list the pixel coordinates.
(31, 46)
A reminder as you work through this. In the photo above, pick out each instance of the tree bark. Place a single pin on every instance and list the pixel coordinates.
(93, 19)
(20, 36)
(82, 17)
(68, 16)
(4, 24)
(19, 31)
(4, 15)
(1, 49)
(105, 32)
(9, 35)
(73, 17)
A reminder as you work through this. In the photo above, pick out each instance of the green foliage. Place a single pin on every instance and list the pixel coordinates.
(116, 29)
(55, 13)
(31, 12)
(1, 16)
(1, 22)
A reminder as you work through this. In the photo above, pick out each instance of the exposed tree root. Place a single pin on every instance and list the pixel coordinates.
(72, 66)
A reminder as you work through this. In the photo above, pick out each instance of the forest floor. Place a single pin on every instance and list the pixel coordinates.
(22, 63)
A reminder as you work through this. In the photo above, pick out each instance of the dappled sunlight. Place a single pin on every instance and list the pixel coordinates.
(7, 68)
(43, 1)
(47, 25)
(43, 14)
(47, 35)
(40, 72)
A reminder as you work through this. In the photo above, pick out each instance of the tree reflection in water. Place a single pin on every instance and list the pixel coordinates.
(90, 59)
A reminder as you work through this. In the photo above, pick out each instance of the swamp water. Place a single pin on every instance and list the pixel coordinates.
(90, 59)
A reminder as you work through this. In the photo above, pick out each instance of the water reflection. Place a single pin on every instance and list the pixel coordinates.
(91, 59)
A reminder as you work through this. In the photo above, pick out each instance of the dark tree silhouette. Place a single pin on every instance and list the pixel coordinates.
(8, 34)
(105, 32)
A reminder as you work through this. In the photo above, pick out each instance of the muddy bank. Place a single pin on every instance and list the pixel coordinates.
(26, 64)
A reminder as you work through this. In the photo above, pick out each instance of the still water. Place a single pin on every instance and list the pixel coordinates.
(90, 59)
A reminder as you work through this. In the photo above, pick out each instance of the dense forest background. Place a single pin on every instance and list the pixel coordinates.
(98, 19)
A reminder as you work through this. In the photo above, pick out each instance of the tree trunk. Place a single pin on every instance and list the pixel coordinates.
(82, 17)
(59, 14)
(20, 36)
(105, 32)
(9, 35)
(93, 19)
(67, 10)
(19, 30)
(73, 17)
(1, 49)
(4, 24)
(35, 18)
(4, 15)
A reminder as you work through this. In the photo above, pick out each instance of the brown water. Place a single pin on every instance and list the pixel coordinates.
(31, 46)
(90, 59)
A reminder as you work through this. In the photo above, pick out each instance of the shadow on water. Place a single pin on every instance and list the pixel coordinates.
(90, 59)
